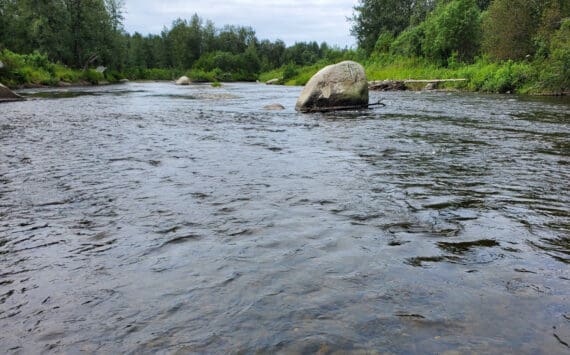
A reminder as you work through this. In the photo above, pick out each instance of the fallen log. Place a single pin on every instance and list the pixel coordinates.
(343, 108)
(428, 81)
(401, 85)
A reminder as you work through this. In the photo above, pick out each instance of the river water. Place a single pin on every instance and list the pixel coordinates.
(152, 218)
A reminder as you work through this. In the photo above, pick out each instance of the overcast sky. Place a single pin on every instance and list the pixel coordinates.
(291, 21)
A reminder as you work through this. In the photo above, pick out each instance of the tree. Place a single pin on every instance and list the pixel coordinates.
(508, 27)
(374, 17)
(557, 72)
(453, 28)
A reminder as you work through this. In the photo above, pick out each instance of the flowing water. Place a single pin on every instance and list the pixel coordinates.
(151, 218)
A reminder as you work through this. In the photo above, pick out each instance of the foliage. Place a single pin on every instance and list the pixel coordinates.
(371, 18)
(92, 76)
(74, 32)
(520, 29)
(511, 46)
(555, 74)
(509, 39)
(409, 42)
(453, 28)
(34, 68)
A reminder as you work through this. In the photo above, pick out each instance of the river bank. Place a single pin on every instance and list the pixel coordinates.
(508, 77)
(485, 76)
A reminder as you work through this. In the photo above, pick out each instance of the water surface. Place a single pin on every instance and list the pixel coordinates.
(148, 218)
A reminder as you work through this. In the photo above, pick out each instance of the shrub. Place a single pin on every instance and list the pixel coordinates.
(556, 73)
(409, 42)
(92, 76)
(289, 72)
(453, 27)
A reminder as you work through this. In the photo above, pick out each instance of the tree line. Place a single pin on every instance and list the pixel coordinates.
(84, 33)
(529, 40)
(504, 44)
(450, 30)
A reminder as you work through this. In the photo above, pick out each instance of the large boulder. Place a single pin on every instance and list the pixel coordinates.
(335, 87)
(183, 80)
(7, 94)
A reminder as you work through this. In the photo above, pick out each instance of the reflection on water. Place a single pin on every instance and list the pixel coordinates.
(155, 218)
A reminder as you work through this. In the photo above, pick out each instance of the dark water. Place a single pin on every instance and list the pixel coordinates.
(152, 218)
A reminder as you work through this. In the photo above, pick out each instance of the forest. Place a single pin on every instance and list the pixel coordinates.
(498, 45)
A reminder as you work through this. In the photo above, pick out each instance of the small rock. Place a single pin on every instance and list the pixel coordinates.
(431, 87)
(274, 107)
(183, 80)
(124, 81)
(273, 82)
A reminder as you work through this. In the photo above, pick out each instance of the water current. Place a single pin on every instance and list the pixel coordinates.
(152, 218)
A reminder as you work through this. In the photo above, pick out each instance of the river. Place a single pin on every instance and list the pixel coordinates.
(154, 218)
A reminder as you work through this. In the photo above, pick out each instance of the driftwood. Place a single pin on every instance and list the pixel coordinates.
(411, 81)
(93, 57)
(343, 108)
(401, 85)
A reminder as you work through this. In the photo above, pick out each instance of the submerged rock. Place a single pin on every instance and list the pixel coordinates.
(8, 95)
(338, 86)
(274, 107)
(183, 80)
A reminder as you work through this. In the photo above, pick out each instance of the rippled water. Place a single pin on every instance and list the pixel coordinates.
(154, 218)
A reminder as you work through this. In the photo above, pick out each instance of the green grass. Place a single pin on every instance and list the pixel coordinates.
(36, 69)
(482, 76)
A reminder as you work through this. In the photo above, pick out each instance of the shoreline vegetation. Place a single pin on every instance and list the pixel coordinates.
(485, 76)
(397, 40)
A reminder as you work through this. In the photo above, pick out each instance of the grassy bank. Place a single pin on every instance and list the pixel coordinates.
(33, 70)
(538, 77)
(526, 77)
(36, 70)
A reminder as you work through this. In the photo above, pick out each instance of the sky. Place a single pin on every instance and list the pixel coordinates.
(289, 20)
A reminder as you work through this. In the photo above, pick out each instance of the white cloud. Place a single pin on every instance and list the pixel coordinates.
(291, 21)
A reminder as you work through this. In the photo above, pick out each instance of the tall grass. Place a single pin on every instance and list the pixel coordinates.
(482, 76)
(36, 69)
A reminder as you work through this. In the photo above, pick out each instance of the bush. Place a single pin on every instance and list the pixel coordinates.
(555, 74)
(453, 27)
(384, 42)
(65, 74)
(289, 72)
(409, 42)
(199, 75)
(92, 76)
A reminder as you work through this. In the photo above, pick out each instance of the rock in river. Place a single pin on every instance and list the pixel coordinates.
(274, 107)
(7, 94)
(273, 82)
(338, 86)
(183, 80)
